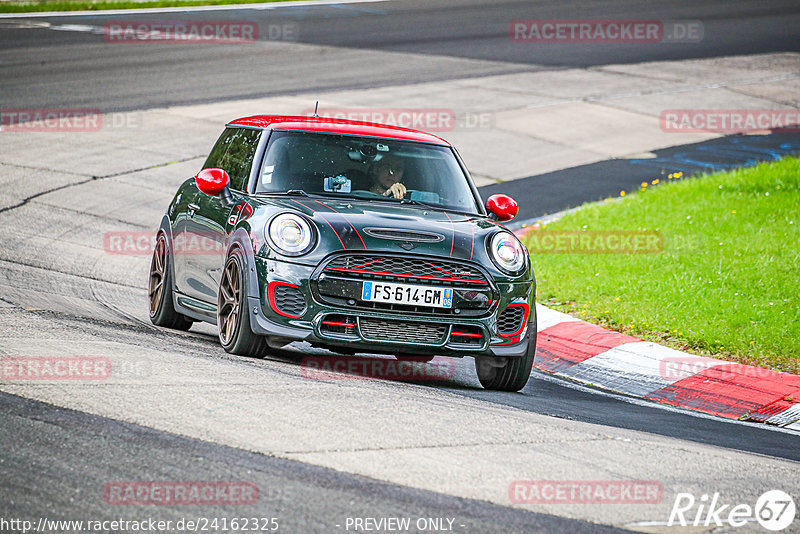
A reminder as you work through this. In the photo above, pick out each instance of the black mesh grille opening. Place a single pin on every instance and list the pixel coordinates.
(339, 324)
(397, 268)
(466, 335)
(290, 300)
(510, 320)
(402, 331)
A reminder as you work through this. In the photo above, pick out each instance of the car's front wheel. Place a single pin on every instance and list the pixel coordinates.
(506, 374)
(159, 290)
(233, 317)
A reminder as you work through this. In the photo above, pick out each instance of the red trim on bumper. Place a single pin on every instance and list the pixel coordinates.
(524, 319)
(465, 334)
(424, 277)
(271, 297)
(337, 323)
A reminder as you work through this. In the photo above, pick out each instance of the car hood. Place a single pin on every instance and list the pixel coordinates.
(374, 225)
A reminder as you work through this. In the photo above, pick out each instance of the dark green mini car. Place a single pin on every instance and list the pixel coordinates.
(351, 236)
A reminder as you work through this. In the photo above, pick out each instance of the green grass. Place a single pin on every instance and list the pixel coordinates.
(726, 281)
(66, 5)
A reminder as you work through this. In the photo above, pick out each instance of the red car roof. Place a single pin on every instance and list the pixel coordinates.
(342, 126)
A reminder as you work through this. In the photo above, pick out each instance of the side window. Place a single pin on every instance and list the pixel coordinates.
(234, 153)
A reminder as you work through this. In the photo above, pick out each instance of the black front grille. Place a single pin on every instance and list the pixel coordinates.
(510, 320)
(341, 281)
(407, 269)
(402, 331)
(290, 300)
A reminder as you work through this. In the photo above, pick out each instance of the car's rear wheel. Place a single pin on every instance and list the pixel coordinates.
(506, 374)
(159, 290)
(233, 316)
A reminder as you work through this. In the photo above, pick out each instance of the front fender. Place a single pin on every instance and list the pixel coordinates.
(244, 240)
(166, 227)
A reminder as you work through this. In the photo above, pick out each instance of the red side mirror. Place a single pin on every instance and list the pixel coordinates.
(212, 181)
(503, 207)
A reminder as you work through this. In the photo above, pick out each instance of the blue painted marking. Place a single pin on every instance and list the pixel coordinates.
(366, 292)
(667, 163)
(739, 152)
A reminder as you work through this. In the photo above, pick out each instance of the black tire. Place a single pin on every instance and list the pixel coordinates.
(509, 377)
(233, 315)
(159, 290)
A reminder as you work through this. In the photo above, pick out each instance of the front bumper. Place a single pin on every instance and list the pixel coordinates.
(352, 329)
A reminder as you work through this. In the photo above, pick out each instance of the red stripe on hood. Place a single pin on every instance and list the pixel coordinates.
(326, 220)
(346, 219)
(453, 226)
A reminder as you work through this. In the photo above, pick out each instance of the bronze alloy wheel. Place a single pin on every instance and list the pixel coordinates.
(233, 315)
(155, 290)
(228, 304)
(159, 290)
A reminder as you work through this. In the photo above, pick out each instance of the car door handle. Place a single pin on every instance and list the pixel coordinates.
(191, 208)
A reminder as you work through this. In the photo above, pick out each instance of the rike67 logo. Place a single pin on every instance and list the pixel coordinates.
(774, 510)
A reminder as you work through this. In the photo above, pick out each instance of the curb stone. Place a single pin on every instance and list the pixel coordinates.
(591, 354)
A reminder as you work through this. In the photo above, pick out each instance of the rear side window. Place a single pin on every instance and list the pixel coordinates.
(234, 153)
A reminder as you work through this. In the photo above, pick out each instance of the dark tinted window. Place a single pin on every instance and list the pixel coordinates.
(355, 167)
(234, 153)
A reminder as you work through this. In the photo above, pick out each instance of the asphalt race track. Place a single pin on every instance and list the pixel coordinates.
(448, 39)
(306, 497)
(321, 452)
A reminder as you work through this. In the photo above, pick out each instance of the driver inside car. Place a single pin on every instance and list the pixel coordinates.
(387, 175)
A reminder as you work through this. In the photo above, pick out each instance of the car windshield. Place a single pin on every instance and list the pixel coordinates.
(365, 168)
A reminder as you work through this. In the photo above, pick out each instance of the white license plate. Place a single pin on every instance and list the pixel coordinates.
(436, 297)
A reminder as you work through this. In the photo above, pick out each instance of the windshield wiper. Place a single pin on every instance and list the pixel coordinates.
(290, 192)
(418, 203)
(345, 196)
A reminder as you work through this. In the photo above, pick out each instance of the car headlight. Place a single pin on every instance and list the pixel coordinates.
(507, 252)
(291, 234)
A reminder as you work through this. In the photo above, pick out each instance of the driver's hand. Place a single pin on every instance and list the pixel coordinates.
(397, 190)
